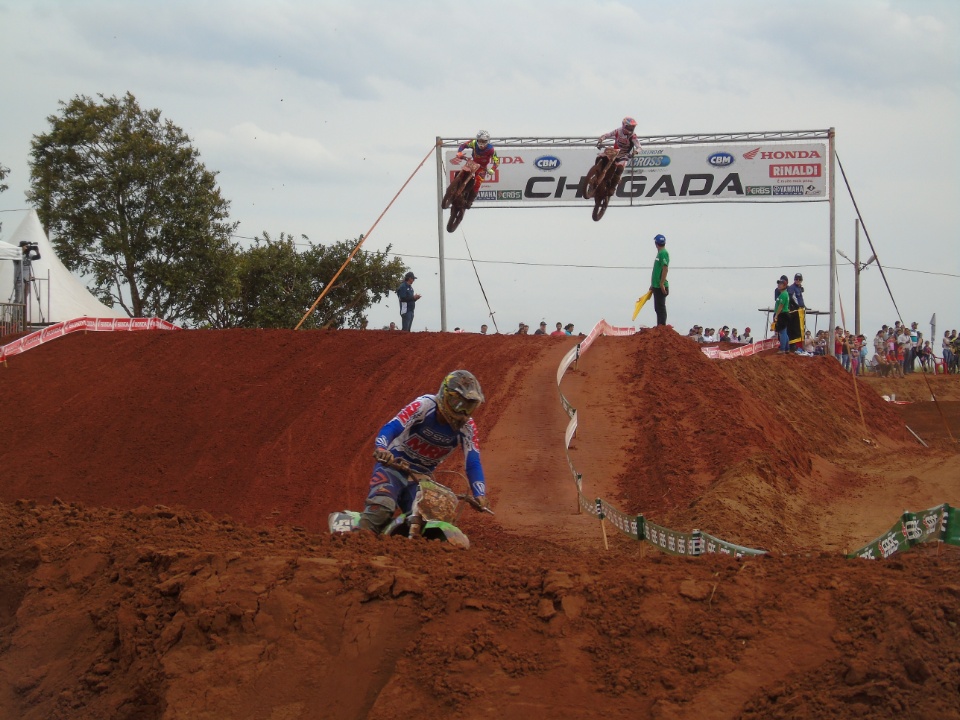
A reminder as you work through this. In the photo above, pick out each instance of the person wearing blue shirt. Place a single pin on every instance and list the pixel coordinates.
(420, 437)
(408, 299)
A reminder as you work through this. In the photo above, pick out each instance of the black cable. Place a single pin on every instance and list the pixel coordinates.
(867, 234)
(484, 292)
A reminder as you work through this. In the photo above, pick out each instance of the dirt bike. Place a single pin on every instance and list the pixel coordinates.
(602, 181)
(459, 194)
(433, 515)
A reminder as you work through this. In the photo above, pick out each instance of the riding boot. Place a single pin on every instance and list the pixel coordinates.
(616, 177)
(473, 196)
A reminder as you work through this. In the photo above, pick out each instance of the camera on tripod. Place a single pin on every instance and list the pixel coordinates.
(30, 250)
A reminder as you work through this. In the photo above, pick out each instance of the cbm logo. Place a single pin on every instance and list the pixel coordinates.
(547, 162)
(721, 159)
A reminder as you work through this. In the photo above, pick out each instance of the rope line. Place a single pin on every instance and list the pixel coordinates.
(856, 207)
(856, 388)
(637, 267)
(482, 291)
(363, 238)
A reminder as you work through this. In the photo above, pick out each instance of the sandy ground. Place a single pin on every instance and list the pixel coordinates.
(164, 554)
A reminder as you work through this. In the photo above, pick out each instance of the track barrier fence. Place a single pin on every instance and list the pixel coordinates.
(936, 524)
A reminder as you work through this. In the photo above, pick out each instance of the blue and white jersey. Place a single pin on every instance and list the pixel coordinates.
(421, 437)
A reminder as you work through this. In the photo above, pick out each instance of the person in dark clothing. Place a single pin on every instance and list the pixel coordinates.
(408, 299)
(796, 325)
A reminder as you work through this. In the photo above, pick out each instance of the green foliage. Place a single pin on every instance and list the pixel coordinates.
(274, 284)
(129, 204)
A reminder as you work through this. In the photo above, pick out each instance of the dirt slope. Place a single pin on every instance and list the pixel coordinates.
(127, 592)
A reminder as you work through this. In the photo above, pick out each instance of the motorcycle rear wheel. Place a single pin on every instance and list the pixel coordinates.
(600, 207)
(456, 216)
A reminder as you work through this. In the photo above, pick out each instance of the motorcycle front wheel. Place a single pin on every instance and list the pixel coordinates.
(448, 196)
(593, 180)
(454, 190)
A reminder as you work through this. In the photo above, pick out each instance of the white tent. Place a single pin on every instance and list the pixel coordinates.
(57, 294)
(8, 251)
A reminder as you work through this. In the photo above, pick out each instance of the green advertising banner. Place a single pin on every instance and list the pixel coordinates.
(934, 524)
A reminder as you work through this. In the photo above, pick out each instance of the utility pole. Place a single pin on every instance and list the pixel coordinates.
(858, 267)
(856, 284)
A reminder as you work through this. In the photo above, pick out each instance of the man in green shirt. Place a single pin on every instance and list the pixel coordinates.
(658, 281)
(781, 312)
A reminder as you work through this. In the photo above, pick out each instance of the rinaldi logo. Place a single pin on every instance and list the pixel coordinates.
(795, 170)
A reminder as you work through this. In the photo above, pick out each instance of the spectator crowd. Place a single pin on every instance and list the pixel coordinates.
(897, 350)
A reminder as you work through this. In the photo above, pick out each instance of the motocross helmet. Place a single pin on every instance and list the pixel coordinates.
(629, 125)
(483, 138)
(458, 397)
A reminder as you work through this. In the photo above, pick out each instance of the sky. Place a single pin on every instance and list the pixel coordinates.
(314, 114)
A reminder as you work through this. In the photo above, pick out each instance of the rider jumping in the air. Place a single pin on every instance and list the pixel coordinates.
(625, 141)
(484, 155)
(423, 434)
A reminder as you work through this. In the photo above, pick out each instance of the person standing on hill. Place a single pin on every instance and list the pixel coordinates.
(408, 299)
(797, 313)
(781, 313)
(658, 279)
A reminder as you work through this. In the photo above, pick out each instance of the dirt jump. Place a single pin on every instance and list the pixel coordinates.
(164, 551)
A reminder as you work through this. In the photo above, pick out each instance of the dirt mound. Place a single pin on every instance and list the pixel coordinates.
(263, 426)
(126, 592)
(739, 448)
(157, 613)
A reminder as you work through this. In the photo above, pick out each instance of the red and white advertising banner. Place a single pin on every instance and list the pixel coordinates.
(784, 171)
(84, 324)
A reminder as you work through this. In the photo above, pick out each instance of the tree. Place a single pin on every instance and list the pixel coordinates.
(129, 204)
(4, 171)
(275, 284)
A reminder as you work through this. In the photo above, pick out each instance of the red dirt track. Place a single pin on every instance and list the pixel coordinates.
(164, 554)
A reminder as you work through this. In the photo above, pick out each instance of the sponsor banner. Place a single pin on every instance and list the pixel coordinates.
(51, 332)
(721, 172)
(933, 524)
(715, 353)
(711, 544)
(672, 542)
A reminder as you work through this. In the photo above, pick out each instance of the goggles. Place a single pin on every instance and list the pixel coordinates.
(459, 404)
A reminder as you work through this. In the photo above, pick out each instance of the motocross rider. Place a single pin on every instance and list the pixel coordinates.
(625, 141)
(423, 434)
(484, 155)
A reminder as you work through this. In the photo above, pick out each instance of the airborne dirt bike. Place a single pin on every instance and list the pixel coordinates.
(601, 181)
(433, 515)
(458, 194)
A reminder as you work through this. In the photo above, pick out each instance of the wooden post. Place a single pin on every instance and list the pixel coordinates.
(603, 528)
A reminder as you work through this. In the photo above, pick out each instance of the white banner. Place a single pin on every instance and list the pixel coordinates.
(688, 173)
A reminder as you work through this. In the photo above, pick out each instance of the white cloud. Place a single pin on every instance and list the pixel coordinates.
(315, 113)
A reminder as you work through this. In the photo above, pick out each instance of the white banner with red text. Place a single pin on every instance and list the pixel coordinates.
(85, 324)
